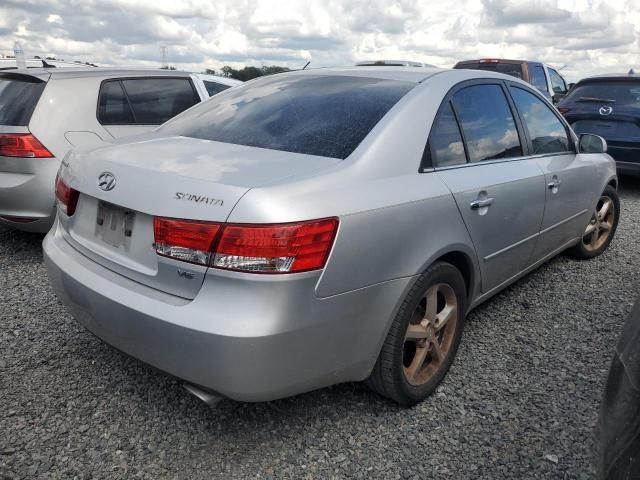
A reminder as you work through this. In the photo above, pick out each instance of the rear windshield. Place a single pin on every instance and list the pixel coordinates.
(312, 114)
(620, 92)
(18, 99)
(513, 69)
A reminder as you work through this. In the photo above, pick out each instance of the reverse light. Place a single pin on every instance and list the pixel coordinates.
(22, 145)
(66, 196)
(271, 248)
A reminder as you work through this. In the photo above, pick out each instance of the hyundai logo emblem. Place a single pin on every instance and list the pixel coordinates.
(605, 110)
(106, 181)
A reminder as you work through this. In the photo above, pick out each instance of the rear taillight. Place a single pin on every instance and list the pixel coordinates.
(280, 248)
(22, 145)
(563, 109)
(189, 241)
(67, 197)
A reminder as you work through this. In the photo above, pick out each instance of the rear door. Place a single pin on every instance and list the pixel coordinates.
(570, 179)
(131, 106)
(476, 149)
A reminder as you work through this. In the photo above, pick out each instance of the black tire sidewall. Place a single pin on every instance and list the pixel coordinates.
(439, 273)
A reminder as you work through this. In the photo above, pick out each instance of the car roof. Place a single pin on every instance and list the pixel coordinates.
(404, 74)
(60, 73)
(611, 76)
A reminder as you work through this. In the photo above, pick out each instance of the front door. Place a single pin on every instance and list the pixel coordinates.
(569, 181)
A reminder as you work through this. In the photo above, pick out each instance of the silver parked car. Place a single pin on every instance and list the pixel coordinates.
(45, 112)
(324, 226)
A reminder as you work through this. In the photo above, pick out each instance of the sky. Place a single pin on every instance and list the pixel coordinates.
(584, 36)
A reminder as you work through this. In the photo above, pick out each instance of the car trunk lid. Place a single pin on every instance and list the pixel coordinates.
(123, 187)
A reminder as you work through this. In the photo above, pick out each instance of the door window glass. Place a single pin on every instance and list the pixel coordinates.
(113, 108)
(156, 100)
(538, 79)
(445, 140)
(487, 122)
(214, 87)
(547, 133)
(557, 82)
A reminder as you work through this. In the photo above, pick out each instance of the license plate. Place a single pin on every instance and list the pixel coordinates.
(114, 223)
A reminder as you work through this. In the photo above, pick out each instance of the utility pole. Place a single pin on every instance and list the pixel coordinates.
(165, 63)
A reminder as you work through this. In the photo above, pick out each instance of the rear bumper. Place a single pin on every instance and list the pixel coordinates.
(246, 338)
(28, 197)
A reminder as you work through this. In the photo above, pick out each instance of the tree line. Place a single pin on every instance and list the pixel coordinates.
(246, 73)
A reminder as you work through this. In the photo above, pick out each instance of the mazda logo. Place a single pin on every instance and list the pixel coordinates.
(106, 181)
(605, 110)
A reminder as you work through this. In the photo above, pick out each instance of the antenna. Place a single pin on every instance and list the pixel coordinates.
(306, 65)
(165, 50)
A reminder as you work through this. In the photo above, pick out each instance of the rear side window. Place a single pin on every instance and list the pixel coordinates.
(445, 140)
(325, 115)
(547, 132)
(214, 87)
(156, 100)
(113, 107)
(487, 122)
(144, 101)
(538, 79)
(18, 99)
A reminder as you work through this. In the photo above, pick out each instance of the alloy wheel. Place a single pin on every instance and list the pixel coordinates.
(599, 229)
(430, 334)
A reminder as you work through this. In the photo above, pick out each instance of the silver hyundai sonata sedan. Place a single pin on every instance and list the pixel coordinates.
(324, 226)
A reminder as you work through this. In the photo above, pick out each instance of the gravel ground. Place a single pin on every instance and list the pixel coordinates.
(521, 400)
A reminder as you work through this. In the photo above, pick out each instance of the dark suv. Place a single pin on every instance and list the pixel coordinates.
(609, 106)
(542, 76)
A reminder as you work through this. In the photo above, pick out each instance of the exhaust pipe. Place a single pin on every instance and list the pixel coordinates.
(209, 398)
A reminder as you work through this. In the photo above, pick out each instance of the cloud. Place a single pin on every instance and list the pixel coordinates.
(589, 36)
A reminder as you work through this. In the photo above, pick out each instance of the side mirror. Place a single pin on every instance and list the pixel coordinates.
(571, 86)
(592, 144)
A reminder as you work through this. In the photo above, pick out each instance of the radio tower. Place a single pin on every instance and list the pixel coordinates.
(164, 51)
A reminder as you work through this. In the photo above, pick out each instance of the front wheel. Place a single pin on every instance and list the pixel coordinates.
(423, 338)
(601, 228)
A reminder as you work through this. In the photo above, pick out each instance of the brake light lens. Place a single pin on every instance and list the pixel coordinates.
(489, 60)
(186, 240)
(286, 248)
(22, 145)
(280, 248)
(67, 197)
(563, 109)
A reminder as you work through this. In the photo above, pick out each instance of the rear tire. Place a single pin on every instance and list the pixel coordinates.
(601, 228)
(423, 338)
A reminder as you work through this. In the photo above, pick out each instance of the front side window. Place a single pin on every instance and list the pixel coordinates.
(487, 122)
(538, 78)
(547, 133)
(325, 115)
(445, 140)
(557, 82)
(214, 87)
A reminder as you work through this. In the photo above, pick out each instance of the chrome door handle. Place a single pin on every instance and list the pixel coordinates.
(485, 202)
(554, 184)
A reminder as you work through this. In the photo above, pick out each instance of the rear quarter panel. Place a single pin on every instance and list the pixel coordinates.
(394, 221)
